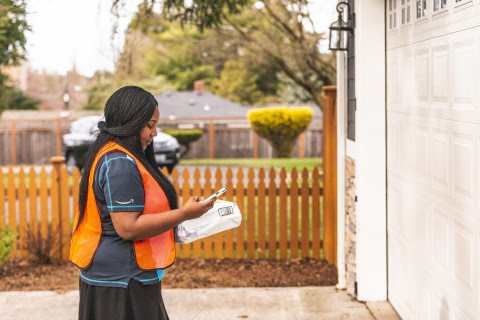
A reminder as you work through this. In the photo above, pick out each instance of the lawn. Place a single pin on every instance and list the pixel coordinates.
(288, 164)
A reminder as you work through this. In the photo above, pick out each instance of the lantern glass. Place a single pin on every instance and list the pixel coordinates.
(339, 35)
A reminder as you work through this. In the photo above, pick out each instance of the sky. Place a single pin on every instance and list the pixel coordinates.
(79, 32)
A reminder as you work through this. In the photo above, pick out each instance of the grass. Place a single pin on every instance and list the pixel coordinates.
(288, 164)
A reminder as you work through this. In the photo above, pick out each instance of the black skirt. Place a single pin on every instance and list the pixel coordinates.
(137, 301)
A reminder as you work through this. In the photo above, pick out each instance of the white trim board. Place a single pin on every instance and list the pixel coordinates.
(370, 151)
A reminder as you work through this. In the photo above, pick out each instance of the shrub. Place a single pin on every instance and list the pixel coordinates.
(185, 137)
(281, 126)
(6, 244)
(42, 249)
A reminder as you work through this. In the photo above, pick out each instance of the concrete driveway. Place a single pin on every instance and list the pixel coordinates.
(304, 303)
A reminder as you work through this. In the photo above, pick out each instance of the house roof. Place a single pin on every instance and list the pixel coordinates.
(197, 104)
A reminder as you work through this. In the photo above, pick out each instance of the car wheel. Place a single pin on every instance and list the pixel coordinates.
(70, 163)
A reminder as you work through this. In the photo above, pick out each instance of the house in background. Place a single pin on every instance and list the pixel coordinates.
(181, 107)
(408, 128)
(196, 105)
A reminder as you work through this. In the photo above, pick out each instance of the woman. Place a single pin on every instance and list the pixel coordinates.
(123, 231)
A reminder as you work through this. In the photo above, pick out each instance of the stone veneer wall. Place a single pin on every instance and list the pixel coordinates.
(350, 227)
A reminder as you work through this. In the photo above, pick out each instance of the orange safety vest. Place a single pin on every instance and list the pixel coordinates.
(154, 253)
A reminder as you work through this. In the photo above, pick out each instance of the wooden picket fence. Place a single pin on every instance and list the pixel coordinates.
(280, 221)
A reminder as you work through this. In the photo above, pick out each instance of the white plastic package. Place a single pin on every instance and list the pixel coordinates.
(223, 216)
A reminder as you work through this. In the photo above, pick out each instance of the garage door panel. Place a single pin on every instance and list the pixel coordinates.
(440, 77)
(394, 153)
(463, 263)
(464, 170)
(440, 162)
(394, 208)
(439, 230)
(422, 214)
(400, 296)
(393, 92)
(422, 62)
(421, 154)
(400, 134)
(463, 90)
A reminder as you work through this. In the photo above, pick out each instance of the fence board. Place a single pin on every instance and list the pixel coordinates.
(43, 205)
(240, 200)
(175, 175)
(305, 214)
(75, 191)
(33, 205)
(283, 214)
(218, 238)
(22, 206)
(316, 213)
(186, 247)
(2, 201)
(229, 197)
(294, 214)
(56, 231)
(272, 216)
(197, 192)
(65, 213)
(12, 208)
(207, 191)
(261, 215)
(251, 215)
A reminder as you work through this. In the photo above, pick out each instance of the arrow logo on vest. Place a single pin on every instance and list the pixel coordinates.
(128, 202)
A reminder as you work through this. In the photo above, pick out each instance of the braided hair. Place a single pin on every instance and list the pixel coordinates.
(127, 111)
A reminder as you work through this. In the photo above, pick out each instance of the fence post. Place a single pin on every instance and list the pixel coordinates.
(329, 137)
(57, 166)
(211, 140)
(59, 138)
(302, 145)
(12, 140)
(255, 145)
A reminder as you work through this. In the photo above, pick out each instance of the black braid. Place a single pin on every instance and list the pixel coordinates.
(127, 111)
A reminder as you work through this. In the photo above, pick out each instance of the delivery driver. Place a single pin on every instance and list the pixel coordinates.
(123, 238)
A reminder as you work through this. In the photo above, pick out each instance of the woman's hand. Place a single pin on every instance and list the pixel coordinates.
(138, 226)
(194, 208)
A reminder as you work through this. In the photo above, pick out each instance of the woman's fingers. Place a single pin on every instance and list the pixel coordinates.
(210, 203)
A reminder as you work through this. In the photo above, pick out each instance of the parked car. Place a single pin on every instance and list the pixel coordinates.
(81, 135)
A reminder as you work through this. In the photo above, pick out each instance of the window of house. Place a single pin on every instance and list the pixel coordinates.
(405, 12)
(421, 8)
(439, 4)
(392, 14)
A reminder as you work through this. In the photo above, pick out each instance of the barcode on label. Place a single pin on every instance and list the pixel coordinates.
(225, 211)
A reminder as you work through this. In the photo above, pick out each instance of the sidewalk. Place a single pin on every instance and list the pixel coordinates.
(304, 303)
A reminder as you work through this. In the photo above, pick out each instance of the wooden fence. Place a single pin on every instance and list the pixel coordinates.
(35, 141)
(280, 220)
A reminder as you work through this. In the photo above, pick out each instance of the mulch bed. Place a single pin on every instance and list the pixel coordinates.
(185, 273)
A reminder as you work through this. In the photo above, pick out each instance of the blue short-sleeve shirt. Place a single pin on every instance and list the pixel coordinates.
(118, 187)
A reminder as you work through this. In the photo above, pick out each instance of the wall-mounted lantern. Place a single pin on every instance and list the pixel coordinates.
(339, 30)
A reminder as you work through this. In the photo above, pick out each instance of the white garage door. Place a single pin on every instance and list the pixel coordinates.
(433, 143)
